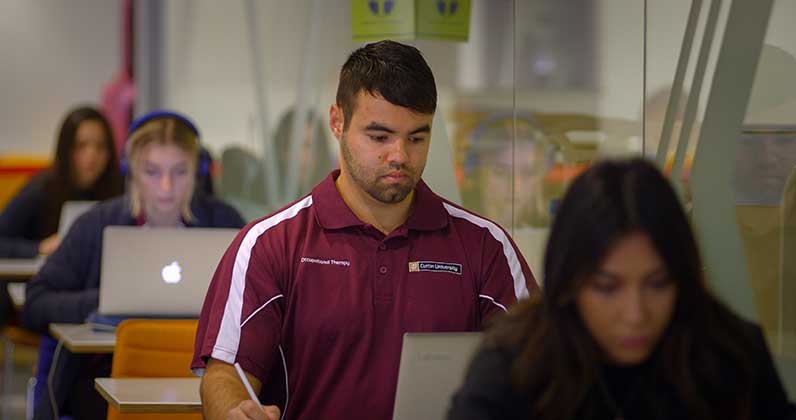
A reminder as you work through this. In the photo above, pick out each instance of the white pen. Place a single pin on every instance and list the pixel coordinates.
(248, 386)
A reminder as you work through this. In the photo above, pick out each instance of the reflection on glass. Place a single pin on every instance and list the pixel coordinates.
(315, 158)
(550, 55)
(764, 170)
(506, 163)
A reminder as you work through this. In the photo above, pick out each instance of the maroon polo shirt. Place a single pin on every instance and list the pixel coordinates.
(324, 299)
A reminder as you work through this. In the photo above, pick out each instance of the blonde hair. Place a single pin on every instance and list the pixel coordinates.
(162, 131)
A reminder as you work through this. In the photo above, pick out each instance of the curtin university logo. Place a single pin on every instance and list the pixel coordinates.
(441, 267)
(450, 6)
(386, 7)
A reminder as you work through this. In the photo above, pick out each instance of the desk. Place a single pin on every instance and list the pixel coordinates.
(16, 291)
(19, 269)
(151, 395)
(80, 338)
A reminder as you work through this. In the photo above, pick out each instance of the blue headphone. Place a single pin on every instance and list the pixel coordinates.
(203, 167)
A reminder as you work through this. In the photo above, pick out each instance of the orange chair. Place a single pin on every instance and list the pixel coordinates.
(148, 348)
(15, 171)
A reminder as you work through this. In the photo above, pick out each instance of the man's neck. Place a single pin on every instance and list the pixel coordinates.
(383, 216)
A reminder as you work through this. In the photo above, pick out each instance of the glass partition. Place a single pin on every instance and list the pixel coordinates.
(724, 122)
(539, 91)
(524, 105)
(765, 187)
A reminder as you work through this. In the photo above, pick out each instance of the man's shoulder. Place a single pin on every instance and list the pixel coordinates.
(455, 212)
(463, 217)
(474, 230)
(285, 220)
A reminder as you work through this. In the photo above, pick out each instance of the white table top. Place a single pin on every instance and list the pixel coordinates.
(81, 338)
(19, 269)
(17, 293)
(151, 395)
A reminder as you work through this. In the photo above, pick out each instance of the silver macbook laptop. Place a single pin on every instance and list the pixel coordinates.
(158, 271)
(432, 368)
(70, 211)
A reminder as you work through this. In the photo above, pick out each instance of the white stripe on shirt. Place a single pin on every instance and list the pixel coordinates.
(228, 340)
(520, 288)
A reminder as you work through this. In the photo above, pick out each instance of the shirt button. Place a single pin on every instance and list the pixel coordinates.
(383, 270)
(382, 246)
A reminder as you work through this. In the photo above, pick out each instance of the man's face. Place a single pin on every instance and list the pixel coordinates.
(385, 147)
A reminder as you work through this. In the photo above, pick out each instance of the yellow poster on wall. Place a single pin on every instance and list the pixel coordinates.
(447, 20)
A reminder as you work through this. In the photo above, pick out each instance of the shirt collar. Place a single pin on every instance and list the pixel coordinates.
(332, 212)
(428, 212)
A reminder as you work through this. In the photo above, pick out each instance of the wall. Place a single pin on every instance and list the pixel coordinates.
(55, 54)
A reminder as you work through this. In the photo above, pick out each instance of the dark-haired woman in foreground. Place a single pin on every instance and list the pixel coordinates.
(625, 327)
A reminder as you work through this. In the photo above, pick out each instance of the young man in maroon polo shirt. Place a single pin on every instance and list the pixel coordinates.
(315, 298)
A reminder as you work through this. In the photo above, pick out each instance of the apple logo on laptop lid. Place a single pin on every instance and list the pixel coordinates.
(171, 273)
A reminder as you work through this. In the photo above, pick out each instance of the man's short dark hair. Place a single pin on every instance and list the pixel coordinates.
(397, 72)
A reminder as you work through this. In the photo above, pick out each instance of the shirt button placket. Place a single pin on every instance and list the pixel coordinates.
(383, 284)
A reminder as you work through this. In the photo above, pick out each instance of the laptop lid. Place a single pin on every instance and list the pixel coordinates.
(158, 271)
(70, 211)
(432, 368)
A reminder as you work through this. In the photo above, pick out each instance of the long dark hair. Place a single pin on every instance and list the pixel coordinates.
(60, 185)
(556, 361)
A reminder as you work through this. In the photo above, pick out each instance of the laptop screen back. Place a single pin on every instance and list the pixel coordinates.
(70, 211)
(432, 368)
(158, 271)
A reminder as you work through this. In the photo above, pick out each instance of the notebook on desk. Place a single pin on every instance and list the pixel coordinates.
(157, 272)
(432, 368)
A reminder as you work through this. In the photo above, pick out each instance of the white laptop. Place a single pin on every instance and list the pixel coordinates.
(158, 272)
(70, 211)
(432, 368)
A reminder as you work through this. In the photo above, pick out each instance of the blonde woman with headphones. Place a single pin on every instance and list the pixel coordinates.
(162, 156)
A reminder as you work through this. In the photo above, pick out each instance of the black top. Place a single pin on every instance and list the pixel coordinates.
(21, 223)
(66, 288)
(488, 394)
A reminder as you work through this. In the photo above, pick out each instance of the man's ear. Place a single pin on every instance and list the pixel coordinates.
(336, 121)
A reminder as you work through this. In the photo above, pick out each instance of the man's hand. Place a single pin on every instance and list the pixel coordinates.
(225, 397)
(248, 410)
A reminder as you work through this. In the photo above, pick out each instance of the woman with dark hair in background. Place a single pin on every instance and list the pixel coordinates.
(85, 168)
(625, 326)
